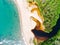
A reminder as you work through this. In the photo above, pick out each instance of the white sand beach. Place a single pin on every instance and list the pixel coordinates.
(26, 23)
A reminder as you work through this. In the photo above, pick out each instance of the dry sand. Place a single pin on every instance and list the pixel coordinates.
(26, 23)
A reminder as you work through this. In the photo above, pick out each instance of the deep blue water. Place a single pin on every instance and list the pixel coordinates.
(9, 23)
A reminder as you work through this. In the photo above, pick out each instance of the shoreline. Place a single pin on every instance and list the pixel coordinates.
(26, 25)
(26, 33)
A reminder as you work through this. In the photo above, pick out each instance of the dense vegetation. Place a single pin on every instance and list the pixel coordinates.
(50, 10)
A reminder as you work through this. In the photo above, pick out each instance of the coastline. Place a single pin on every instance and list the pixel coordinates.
(25, 22)
(25, 31)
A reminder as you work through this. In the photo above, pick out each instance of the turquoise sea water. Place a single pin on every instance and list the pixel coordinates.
(9, 23)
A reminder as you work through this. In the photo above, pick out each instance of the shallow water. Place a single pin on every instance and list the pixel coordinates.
(9, 24)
